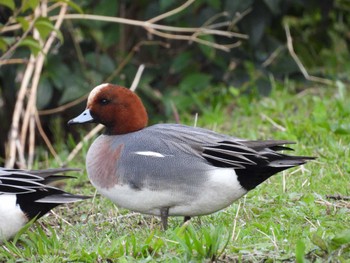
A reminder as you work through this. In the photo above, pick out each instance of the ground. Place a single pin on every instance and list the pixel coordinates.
(299, 215)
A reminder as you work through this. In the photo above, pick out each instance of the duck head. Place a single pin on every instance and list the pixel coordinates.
(116, 107)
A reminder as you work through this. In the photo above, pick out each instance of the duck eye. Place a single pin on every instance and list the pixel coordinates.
(104, 101)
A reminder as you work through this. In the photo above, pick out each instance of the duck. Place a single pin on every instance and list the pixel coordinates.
(171, 169)
(26, 195)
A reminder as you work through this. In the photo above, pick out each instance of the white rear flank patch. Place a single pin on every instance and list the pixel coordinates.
(151, 154)
(12, 219)
(224, 182)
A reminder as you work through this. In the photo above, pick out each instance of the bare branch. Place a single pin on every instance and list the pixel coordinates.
(277, 126)
(233, 236)
(13, 138)
(145, 24)
(172, 12)
(46, 139)
(299, 63)
(137, 78)
(31, 149)
(63, 107)
(33, 71)
(122, 64)
(10, 51)
(189, 38)
(14, 61)
(80, 145)
(239, 16)
(272, 57)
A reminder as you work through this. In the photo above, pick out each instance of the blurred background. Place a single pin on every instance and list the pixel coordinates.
(49, 81)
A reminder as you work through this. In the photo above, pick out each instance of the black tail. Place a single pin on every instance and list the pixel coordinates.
(253, 161)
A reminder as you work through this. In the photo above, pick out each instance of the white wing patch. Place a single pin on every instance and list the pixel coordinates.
(151, 154)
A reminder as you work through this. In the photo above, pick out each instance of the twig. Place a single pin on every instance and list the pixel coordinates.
(171, 12)
(339, 204)
(218, 25)
(284, 182)
(10, 161)
(32, 94)
(273, 240)
(299, 63)
(53, 7)
(239, 17)
(80, 145)
(265, 117)
(22, 161)
(191, 38)
(63, 107)
(301, 169)
(137, 78)
(122, 64)
(132, 22)
(209, 22)
(272, 57)
(77, 47)
(233, 237)
(31, 149)
(46, 139)
(338, 197)
(14, 131)
(227, 23)
(175, 112)
(61, 218)
(39, 66)
(195, 120)
(312, 224)
(9, 52)
(34, 66)
(13, 61)
(145, 24)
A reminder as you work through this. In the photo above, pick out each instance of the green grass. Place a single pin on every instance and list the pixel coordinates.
(288, 218)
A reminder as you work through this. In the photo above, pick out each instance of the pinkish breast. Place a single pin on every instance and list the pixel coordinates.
(102, 162)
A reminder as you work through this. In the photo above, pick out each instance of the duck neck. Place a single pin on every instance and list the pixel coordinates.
(128, 121)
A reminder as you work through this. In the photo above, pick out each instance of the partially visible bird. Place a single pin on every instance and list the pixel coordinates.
(25, 195)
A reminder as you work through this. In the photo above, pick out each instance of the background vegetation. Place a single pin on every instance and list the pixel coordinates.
(270, 69)
(44, 72)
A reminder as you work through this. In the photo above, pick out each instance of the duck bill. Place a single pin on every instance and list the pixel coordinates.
(84, 117)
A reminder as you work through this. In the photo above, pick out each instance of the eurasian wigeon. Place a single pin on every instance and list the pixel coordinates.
(25, 195)
(171, 169)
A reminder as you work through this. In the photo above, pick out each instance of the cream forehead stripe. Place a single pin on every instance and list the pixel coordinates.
(95, 91)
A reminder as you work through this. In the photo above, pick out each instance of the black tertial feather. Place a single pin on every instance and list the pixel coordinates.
(14, 181)
(40, 202)
(34, 196)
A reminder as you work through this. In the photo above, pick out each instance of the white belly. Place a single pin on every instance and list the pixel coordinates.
(216, 193)
(12, 218)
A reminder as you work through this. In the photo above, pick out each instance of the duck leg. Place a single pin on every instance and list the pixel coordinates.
(164, 214)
